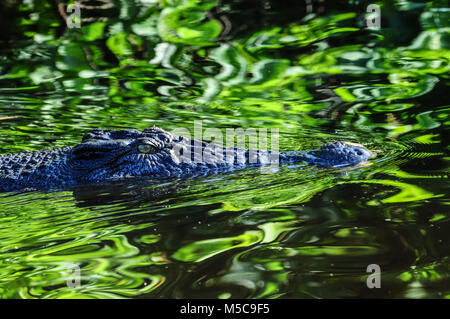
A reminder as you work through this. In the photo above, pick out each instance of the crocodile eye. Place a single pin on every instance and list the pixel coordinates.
(359, 153)
(145, 148)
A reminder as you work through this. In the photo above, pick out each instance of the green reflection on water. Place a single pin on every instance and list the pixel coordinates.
(201, 250)
(297, 232)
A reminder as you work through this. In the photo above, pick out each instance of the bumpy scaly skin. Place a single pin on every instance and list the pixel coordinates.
(108, 155)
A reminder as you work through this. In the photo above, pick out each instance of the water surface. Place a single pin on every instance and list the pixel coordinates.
(315, 73)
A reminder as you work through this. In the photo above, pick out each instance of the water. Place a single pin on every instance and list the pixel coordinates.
(315, 73)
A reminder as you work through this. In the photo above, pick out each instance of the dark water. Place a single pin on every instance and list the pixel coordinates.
(311, 69)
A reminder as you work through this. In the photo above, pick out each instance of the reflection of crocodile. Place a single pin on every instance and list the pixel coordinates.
(107, 155)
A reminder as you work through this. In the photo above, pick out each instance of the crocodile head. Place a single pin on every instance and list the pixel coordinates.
(106, 155)
(340, 154)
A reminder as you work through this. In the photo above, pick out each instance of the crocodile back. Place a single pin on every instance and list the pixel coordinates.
(33, 168)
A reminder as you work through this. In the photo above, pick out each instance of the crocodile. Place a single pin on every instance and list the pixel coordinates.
(106, 155)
